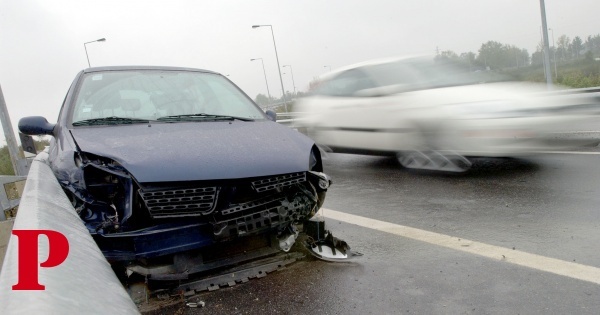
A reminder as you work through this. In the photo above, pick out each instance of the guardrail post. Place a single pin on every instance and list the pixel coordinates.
(13, 149)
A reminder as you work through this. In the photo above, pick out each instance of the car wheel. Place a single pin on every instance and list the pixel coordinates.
(428, 151)
(434, 160)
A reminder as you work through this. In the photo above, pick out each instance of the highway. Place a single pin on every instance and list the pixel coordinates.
(511, 236)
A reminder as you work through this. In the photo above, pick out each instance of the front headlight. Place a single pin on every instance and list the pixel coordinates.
(323, 179)
(319, 178)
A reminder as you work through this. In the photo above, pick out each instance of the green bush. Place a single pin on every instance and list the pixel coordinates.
(6, 167)
(578, 74)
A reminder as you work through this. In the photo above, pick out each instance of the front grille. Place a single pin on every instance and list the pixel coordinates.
(280, 181)
(262, 214)
(242, 195)
(180, 202)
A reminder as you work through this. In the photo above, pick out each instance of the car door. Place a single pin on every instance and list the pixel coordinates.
(339, 116)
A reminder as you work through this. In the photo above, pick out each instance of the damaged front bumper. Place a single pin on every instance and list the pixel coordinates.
(159, 220)
(173, 230)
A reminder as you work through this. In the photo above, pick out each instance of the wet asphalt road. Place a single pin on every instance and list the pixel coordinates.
(545, 205)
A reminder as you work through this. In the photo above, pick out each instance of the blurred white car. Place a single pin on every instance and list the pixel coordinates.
(434, 115)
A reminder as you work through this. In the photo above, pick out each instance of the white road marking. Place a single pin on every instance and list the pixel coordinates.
(571, 152)
(552, 265)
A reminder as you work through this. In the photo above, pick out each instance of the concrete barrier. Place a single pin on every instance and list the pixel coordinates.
(84, 283)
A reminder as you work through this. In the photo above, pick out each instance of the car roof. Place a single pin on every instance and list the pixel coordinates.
(372, 62)
(160, 68)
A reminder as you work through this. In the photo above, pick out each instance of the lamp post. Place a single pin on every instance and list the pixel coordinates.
(86, 53)
(327, 67)
(265, 73)
(292, 72)
(554, 47)
(278, 66)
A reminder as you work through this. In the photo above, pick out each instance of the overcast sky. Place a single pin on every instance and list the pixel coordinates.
(41, 42)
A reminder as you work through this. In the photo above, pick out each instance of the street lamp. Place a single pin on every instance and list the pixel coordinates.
(86, 53)
(292, 72)
(265, 73)
(554, 47)
(278, 66)
(327, 67)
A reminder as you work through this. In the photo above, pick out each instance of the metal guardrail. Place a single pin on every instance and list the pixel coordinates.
(275, 105)
(84, 283)
(287, 118)
(289, 115)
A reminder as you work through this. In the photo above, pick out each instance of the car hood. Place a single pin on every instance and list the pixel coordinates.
(188, 151)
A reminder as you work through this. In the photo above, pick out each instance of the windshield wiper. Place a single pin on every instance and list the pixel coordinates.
(201, 116)
(113, 120)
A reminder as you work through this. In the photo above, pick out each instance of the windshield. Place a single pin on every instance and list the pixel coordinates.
(151, 95)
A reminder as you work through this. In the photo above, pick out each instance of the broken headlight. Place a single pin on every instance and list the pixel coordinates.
(314, 161)
(108, 188)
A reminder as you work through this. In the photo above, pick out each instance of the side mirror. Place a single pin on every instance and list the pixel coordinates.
(272, 115)
(35, 126)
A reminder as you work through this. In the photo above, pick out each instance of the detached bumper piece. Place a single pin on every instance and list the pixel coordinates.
(323, 245)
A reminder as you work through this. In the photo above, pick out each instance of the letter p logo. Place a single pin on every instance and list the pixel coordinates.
(58, 250)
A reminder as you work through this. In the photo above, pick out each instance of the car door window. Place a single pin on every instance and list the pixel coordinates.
(346, 84)
(394, 73)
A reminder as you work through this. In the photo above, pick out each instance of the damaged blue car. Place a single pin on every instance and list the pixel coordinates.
(176, 170)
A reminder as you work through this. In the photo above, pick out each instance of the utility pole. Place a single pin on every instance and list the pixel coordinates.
(13, 150)
(546, 46)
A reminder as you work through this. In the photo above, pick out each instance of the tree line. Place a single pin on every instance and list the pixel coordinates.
(6, 167)
(494, 55)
